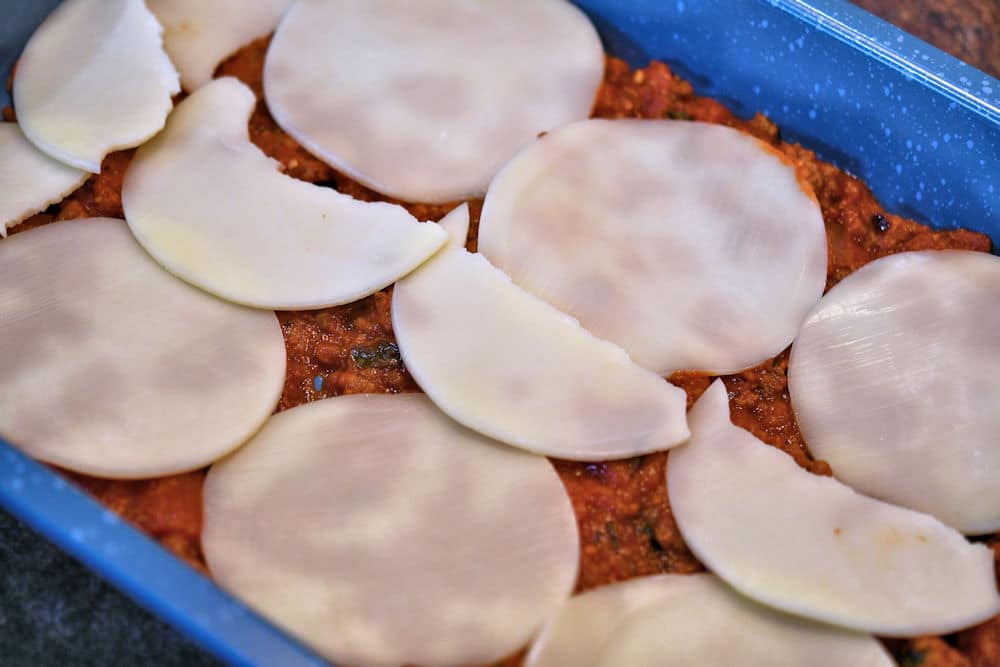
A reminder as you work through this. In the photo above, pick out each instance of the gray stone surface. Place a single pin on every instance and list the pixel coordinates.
(55, 612)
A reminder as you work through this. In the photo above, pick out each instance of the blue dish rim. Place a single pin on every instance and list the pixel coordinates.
(160, 582)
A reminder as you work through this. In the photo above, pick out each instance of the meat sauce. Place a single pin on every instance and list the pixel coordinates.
(626, 526)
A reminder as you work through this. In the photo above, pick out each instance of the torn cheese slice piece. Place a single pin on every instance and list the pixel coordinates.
(199, 34)
(112, 367)
(510, 366)
(380, 532)
(94, 79)
(710, 625)
(29, 179)
(425, 101)
(693, 246)
(909, 348)
(214, 210)
(811, 546)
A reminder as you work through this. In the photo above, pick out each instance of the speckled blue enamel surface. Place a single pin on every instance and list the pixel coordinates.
(920, 127)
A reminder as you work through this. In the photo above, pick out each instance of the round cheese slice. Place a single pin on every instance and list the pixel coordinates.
(94, 79)
(426, 100)
(909, 348)
(112, 367)
(29, 179)
(510, 366)
(199, 34)
(811, 546)
(709, 625)
(380, 532)
(693, 246)
(214, 210)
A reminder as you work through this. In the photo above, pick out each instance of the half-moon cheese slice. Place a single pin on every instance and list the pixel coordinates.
(693, 246)
(381, 533)
(909, 348)
(426, 100)
(214, 210)
(510, 366)
(811, 546)
(94, 79)
(29, 179)
(710, 625)
(199, 34)
(112, 367)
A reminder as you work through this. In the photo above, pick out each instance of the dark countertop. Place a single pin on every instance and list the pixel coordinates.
(55, 612)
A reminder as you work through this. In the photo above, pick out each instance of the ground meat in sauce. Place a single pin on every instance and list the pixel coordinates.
(626, 526)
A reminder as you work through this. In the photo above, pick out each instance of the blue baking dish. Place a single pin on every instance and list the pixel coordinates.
(920, 127)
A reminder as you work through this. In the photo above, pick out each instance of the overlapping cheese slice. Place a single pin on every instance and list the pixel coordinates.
(426, 100)
(112, 367)
(199, 34)
(214, 210)
(94, 79)
(381, 533)
(811, 546)
(908, 348)
(508, 365)
(678, 619)
(29, 179)
(712, 626)
(693, 246)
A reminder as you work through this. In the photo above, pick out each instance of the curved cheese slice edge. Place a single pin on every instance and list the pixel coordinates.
(94, 79)
(419, 540)
(684, 237)
(215, 211)
(587, 625)
(113, 367)
(199, 34)
(506, 364)
(687, 630)
(29, 179)
(909, 346)
(811, 546)
(426, 101)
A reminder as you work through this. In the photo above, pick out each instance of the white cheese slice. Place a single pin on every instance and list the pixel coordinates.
(578, 632)
(381, 532)
(510, 366)
(426, 100)
(216, 211)
(895, 380)
(811, 546)
(693, 246)
(709, 625)
(112, 367)
(29, 179)
(199, 34)
(94, 79)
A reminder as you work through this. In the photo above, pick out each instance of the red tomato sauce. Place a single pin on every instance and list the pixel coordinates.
(626, 526)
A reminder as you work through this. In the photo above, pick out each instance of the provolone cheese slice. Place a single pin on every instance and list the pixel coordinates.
(895, 380)
(426, 100)
(94, 79)
(693, 246)
(214, 210)
(112, 367)
(709, 625)
(381, 533)
(811, 546)
(512, 367)
(29, 179)
(199, 34)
